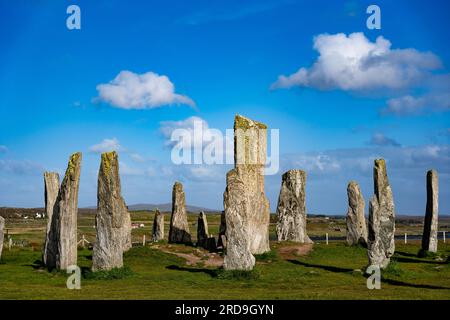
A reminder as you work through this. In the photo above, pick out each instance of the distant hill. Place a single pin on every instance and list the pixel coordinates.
(162, 207)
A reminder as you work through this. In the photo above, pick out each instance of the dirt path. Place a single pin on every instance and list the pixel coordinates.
(293, 251)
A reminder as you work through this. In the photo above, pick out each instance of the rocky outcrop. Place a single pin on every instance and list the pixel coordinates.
(63, 228)
(158, 226)
(51, 186)
(202, 230)
(430, 229)
(291, 209)
(2, 235)
(246, 207)
(112, 223)
(381, 245)
(179, 226)
(356, 221)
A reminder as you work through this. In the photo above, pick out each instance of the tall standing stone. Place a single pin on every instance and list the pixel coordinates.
(356, 221)
(179, 226)
(158, 226)
(430, 229)
(291, 209)
(2, 235)
(246, 207)
(202, 230)
(112, 223)
(222, 240)
(381, 245)
(51, 185)
(64, 220)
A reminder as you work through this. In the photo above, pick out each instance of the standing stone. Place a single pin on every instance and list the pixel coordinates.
(238, 254)
(64, 219)
(381, 245)
(291, 209)
(51, 184)
(111, 219)
(202, 231)
(179, 226)
(158, 226)
(2, 227)
(247, 212)
(430, 228)
(356, 221)
(221, 242)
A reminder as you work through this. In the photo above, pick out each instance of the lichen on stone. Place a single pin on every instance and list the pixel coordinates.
(241, 122)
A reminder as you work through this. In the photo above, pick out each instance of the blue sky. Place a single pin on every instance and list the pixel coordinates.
(58, 94)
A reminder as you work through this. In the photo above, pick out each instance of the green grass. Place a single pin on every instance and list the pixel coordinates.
(333, 271)
(328, 272)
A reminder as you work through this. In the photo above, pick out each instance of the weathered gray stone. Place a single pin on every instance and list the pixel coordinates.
(179, 226)
(51, 185)
(221, 242)
(356, 221)
(247, 212)
(158, 227)
(63, 228)
(235, 200)
(381, 245)
(430, 229)
(2, 235)
(202, 231)
(112, 217)
(291, 209)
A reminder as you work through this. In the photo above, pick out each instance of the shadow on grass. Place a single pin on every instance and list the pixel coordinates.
(412, 285)
(406, 254)
(327, 268)
(221, 273)
(410, 260)
(36, 265)
(210, 272)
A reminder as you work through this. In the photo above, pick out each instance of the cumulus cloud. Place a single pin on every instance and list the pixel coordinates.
(198, 136)
(106, 145)
(379, 139)
(354, 63)
(149, 90)
(410, 105)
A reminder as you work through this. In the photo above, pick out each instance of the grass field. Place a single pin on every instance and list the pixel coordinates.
(331, 271)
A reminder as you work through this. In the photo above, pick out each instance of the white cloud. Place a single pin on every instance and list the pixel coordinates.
(149, 90)
(379, 139)
(106, 145)
(410, 105)
(354, 63)
(201, 135)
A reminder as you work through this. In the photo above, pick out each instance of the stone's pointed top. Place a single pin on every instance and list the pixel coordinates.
(352, 183)
(293, 172)
(241, 122)
(74, 162)
(178, 186)
(380, 164)
(432, 172)
(108, 158)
